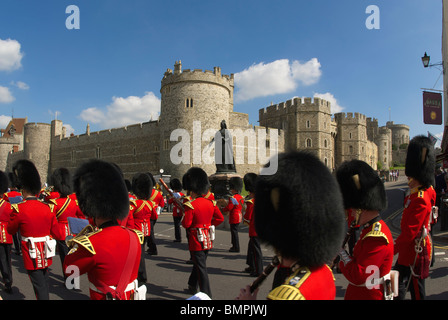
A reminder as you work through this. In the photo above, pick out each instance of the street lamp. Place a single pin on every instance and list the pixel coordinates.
(426, 59)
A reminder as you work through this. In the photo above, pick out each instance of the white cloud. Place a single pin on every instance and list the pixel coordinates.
(335, 106)
(21, 85)
(280, 76)
(4, 121)
(10, 55)
(124, 111)
(5, 95)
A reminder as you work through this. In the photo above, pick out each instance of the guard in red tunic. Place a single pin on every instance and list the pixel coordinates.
(413, 245)
(5, 236)
(64, 207)
(234, 208)
(176, 187)
(299, 212)
(254, 257)
(38, 227)
(142, 211)
(200, 218)
(157, 198)
(368, 268)
(110, 253)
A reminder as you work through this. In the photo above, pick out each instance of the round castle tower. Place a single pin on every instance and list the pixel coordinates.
(193, 104)
(36, 147)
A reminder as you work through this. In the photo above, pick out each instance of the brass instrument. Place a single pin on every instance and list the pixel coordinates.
(69, 240)
(266, 272)
(178, 202)
(346, 239)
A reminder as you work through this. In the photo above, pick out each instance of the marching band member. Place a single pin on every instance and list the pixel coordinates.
(299, 212)
(142, 210)
(254, 254)
(157, 198)
(5, 236)
(234, 208)
(200, 218)
(111, 254)
(176, 186)
(64, 207)
(372, 257)
(37, 225)
(413, 245)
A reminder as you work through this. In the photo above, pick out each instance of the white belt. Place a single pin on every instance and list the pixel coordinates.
(35, 239)
(131, 286)
(380, 281)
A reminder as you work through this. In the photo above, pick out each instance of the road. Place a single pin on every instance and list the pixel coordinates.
(168, 272)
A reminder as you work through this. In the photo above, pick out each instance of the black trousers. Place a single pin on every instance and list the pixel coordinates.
(5, 263)
(177, 234)
(234, 236)
(199, 275)
(62, 251)
(39, 280)
(142, 276)
(408, 282)
(152, 247)
(254, 256)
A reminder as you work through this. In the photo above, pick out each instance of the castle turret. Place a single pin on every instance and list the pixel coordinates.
(192, 101)
(36, 147)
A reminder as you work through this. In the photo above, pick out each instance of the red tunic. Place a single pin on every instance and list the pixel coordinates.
(234, 207)
(416, 214)
(142, 212)
(177, 212)
(34, 219)
(5, 215)
(157, 198)
(249, 217)
(307, 284)
(11, 194)
(199, 215)
(372, 259)
(209, 196)
(102, 255)
(65, 208)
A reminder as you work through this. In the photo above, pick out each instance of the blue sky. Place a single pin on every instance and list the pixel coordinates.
(107, 73)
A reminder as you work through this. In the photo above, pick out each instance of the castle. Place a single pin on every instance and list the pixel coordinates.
(193, 104)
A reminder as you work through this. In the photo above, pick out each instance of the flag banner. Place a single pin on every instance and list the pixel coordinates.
(432, 137)
(432, 107)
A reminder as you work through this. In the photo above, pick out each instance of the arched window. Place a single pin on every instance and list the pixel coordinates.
(308, 143)
(189, 103)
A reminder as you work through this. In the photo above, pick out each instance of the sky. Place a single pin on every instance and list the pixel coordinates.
(100, 62)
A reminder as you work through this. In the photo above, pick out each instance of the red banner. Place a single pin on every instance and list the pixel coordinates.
(432, 107)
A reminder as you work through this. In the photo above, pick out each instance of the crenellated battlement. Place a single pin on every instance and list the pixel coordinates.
(350, 118)
(294, 105)
(198, 75)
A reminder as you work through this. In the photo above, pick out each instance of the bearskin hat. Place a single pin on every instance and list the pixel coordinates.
(299, 210)
(196, 180)
(175, 184)
(4, 183)
(420, 160)
(101, 190)
(27, 176)
(236, 183)
(361, 186)
(142, 185)
(61, 181)
(249, 181)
